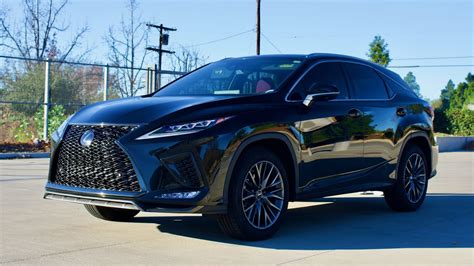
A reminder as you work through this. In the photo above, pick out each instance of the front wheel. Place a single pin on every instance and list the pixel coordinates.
(409, 191)
(258, 196)
(111, 214)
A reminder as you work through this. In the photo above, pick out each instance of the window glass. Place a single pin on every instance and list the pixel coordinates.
(366, 83)
(394, 86)
(256, 75)
(325, 74)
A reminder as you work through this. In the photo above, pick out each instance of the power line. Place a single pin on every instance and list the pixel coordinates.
(82, 64)
(434, 58)
(220, 39)
(421, 66)
(271, 43)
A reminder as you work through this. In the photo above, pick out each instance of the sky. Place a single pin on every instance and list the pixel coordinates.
(412, 29)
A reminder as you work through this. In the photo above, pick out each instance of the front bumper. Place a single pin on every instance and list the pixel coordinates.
(123, 201)
(434, 159)
(165, 170)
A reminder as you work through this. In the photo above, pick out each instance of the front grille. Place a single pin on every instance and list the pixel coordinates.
(102, 165)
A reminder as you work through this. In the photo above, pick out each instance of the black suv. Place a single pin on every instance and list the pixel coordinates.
(239, 138)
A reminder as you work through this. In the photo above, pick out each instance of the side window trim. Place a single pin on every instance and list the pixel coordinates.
(350, 83)
(387, 88)
(339, 61)
(346, 81)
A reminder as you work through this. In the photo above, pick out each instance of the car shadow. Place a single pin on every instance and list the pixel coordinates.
(444, 221)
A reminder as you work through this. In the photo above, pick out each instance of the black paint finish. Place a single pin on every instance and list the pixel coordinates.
(331, 147)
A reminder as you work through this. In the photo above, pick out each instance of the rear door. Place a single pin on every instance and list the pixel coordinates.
(380, 112)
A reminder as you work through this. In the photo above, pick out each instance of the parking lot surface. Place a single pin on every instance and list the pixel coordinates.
(348, 229)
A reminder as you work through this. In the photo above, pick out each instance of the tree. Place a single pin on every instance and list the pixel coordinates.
(410, 79)
(378, 52)
(35, 36)
(454, 115)
(463, 95)
(186, 60)
(446, 94)
(125, 46)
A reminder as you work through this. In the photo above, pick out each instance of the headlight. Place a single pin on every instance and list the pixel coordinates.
(58, 133)
(182, 129)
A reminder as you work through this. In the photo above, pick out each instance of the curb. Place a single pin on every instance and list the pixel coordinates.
(23, 155)
(453, 143)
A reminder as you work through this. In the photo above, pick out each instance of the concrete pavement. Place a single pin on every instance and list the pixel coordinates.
(349, 229)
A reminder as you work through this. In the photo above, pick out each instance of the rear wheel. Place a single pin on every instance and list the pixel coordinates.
(111, 214)
(258, 196)
(409, 191)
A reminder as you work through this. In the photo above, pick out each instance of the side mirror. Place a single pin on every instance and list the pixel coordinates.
(320, 93)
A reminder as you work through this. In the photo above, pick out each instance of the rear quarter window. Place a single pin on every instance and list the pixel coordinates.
(396, 87)
(366, 82)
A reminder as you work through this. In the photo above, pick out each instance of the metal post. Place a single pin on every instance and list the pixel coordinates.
(106, 82)
(160, 57)
(258, 27)
(148, 80)
(156, 79)
(46, 101)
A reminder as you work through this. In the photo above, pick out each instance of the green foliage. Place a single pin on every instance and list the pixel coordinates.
(25, 87)
(453, 116)
(446, 94)
(23, 133)
(463, 95)
(410, 79)
(441, 122)
(68, 84)
(462, 121)
(378, 51)
(56, 116)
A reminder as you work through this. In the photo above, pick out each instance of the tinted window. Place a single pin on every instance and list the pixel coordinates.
(322, 75)
(366, 83)
(256, 75)
(394, 86)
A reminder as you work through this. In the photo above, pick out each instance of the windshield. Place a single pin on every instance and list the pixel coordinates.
(240, 76)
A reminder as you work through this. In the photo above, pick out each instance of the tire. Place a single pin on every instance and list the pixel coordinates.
(409, 190)
(111, 214)
(258, 196)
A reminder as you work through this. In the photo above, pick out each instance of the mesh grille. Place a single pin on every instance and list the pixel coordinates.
(102, 165)
(188, 172)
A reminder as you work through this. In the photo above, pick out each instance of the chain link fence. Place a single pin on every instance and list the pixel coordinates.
(37, 95)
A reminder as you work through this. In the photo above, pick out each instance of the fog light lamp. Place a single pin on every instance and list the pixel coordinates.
(179, 195)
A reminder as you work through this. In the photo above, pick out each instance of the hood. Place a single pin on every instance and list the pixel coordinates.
(137, 110)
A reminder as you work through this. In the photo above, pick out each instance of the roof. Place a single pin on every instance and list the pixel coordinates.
(316, 56)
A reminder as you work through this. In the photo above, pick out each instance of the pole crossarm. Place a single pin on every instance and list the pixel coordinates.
(161, 27)
(156, 49)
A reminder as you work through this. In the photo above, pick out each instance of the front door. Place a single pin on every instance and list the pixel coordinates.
(331, 131)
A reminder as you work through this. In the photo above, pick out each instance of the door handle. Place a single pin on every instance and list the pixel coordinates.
(401, 111)
(354, 113)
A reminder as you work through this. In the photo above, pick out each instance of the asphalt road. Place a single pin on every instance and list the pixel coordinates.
(350, 229)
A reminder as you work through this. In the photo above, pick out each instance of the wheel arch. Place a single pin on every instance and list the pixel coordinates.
(422, 140)
(275, 142)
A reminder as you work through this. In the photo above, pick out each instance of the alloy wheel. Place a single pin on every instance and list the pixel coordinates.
(415, 178)
(263, 194)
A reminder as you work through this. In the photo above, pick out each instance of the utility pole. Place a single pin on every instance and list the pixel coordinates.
(164, 38)
(258, 27)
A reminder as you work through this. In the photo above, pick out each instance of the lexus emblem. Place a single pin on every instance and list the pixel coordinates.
(87, 138)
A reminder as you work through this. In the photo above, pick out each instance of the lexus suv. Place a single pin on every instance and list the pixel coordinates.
(239, 138)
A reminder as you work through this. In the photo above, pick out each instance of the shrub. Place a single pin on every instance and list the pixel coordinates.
(57, 114)
(462, 121)
(24, 133)
(441, 122)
